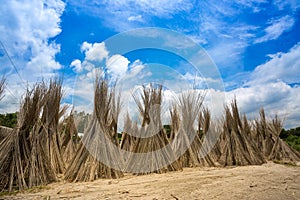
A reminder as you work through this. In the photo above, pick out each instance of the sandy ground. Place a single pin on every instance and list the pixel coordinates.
(269, 181)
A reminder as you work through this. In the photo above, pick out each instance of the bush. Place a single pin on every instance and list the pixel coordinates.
(292, 137)
(293, 141)
(9, 120)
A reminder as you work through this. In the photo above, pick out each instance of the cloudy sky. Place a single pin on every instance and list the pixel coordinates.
(254, 44)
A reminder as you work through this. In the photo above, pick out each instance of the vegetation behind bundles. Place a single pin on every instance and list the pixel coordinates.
(9, 120)
(292, 137)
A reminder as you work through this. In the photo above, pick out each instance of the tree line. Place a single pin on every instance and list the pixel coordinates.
(290, 136)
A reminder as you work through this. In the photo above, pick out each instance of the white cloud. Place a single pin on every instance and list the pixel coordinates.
(282, 66)
(227, 54)
(26, 27)
(291, 4)
(76, 64)
(94, 52)
(276, 28)
(11, 101)
(219, 25)
(82, 95)
(44, 61)
(86, 46)
(117, 65)
(254, 4)
(96, 61)
(276, 98)
(136, 67)
(270, 87)
(86, 65)
(91, 75)
(163, 7)
(264, 89)
(160, 8)
(137, 18)
(202, 82)
(178, 41)
(122, 15)
(220, 36)
(83, 89)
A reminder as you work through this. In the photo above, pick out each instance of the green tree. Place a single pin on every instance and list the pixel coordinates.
(291, 137)
(9, 120)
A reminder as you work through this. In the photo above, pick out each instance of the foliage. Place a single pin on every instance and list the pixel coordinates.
(293, 141)
(292, 137)
(167, 128)
(83, 120)
(9, 119)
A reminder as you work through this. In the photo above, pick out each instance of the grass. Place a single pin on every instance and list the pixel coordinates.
(7, 193)
(29, 190)
(286, 163)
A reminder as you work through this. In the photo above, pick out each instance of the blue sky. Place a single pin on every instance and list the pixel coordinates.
(255, 45)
